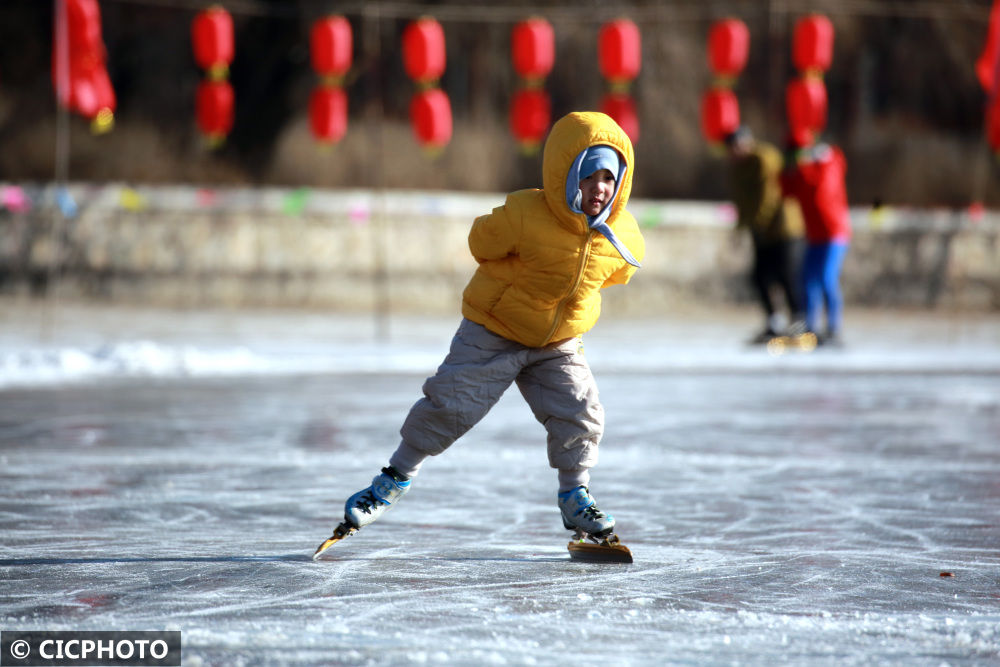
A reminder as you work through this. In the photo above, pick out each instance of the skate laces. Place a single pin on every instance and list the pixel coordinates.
(383, 492)
(368, 502)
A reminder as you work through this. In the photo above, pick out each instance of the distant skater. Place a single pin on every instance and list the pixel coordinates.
(544, 256)
(774, 223)
(815, 174)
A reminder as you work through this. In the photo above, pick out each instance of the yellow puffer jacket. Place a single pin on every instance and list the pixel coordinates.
(541, 267)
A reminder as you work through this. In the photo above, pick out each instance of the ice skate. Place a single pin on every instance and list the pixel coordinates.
(797, 337)
(367, 505)
(764, 337)
(579, 512)
(797, 328)
(831, 339)
(340, 532)
(593, 536)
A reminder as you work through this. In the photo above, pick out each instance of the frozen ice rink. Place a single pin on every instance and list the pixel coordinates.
(175, 471)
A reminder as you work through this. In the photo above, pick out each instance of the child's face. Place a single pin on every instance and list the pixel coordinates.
(597, 190)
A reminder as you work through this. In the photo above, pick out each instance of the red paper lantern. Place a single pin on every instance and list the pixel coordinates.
(331, 46)
(93, 94)
(988, 63)
(79, 73)
(214, 106)
(533, 48)
(621, 107)
(993, 124)
(530, 115)
(424, 50)
(83, 94)
(728, 47)
(212, 39)
(619, 50)
(812, 44)
(83, 23)
(805, 105)
(430, 116)
(328, 114)
(720, 114)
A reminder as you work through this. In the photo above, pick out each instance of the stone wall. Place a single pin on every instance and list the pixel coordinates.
(406, 251)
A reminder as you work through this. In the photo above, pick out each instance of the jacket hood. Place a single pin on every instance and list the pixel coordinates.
(570, 136)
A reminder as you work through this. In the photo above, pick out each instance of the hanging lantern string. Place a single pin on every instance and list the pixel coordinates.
(570, 13)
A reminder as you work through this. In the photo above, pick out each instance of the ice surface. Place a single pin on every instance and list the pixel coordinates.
(795, 510)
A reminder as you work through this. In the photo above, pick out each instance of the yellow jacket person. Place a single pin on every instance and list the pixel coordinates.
(544, 256)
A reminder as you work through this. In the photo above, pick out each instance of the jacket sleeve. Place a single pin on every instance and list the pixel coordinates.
(628, 231)
(750, 197)
(495, 235)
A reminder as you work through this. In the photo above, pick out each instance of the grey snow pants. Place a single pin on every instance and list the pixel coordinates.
(555, 381)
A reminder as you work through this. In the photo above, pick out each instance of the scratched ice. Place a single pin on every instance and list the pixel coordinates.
(172, 471)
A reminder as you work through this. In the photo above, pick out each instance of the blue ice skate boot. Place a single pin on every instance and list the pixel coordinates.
(579, 512)
(369, 504)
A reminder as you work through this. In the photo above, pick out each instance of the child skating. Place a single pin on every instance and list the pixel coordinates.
(544, 256)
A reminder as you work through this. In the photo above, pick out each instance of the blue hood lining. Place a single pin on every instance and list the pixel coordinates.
(574, 199)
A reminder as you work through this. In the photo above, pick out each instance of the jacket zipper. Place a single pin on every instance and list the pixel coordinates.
(584, 256)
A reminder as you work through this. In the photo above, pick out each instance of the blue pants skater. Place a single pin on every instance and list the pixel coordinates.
(821, 284)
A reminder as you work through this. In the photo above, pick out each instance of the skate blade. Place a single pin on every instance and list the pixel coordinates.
(339, 533)
(610, 550)
(778, 345)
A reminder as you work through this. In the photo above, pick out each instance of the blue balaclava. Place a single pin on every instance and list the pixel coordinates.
(586, 163)
(599, 157)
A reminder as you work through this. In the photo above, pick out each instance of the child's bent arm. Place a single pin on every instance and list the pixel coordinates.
(632, 237)
(620, 277)
(493, 236)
